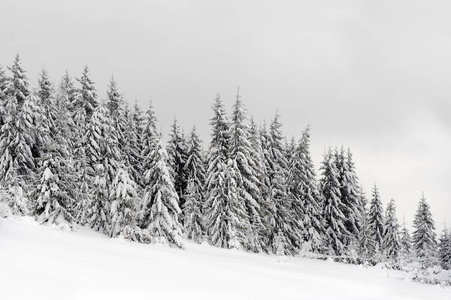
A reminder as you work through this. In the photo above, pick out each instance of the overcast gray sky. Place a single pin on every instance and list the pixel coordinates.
(374, 76)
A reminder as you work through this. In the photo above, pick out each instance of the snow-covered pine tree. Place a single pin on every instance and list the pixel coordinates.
(376, 220)
(131, 148)
(193, 207)
(277, 170)
(306, 199)
(103, 158)
(117, 113)
(333, 209)
(148, 138)
(161, 213)
(247, 180)
(123, 205)
(350, 197)
(177, 154)
(87, 96)
(445, 249)
(95, 210)
(405, 242)
(226, 219)
(424, 237)
(391, 242)
(267, 207)
(19, 86)
(4, 82)
(55, 196)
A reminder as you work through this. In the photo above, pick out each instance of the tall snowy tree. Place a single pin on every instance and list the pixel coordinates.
(4, 82)
(19, 86)
(193, 207)
(277, 170)
(306, 199)
(391, 242)
(87, 94)
(226, 218)
(149, 137)
(349, 191)
(424, 237)
(376, 220)
(445, 249)
(161, 213)
(247, 180)
(333, 208)
(55, 195)
(123, 205)
(177, 154)
(405, 242)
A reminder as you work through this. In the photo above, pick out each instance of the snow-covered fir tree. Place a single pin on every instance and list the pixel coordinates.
(193, 207)
(123, 205)
(277, 170)
(19, 86)
(177, 154)
(306, 199)
(333, 208)
(148, 138)
(366, 239)
(55, 195)
(160, 210)
(3, 94)
(445, 249)
(87, 95)
(247, 180)
(424, 238)
(391, 241)
(226, 218)
(95, 211)
(405, 242)
(349, 191)
(376, 220)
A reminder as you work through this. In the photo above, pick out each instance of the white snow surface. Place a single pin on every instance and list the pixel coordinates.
(44, 262)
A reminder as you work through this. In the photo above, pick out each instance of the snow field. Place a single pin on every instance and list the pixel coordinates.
(44, 262)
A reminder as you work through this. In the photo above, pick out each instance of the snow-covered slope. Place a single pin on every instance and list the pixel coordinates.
(39, 262)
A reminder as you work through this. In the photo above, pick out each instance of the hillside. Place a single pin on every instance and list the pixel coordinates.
(42, 262)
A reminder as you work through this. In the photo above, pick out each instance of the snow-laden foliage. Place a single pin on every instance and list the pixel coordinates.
(445, 249)
(18, 87)
(123, 205)
(226, 218)
(54, 197)
(178, 156)
(424, 237)
(376, 220)
(87, 95)
(160, 210)
(334, 210)
(391, 242)
(247, 179)
(193, 207)
(305, 196)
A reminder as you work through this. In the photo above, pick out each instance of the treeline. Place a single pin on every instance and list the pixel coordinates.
(67, 158)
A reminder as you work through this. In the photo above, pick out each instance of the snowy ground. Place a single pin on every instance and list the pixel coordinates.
(40, 262)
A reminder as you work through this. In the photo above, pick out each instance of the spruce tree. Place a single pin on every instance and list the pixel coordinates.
(423, 237)
(161, 213)
(225, 214)
(55, 195)
(376, 220)
(306, 199)
(445, 249)
(177, 153)
(149, 136)
(391, 242)
(333, 209)
(277, 170)
(19, 86)
(406, 242)
(87, 94)
(123, 205)
(193, 207)
(247, 180)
